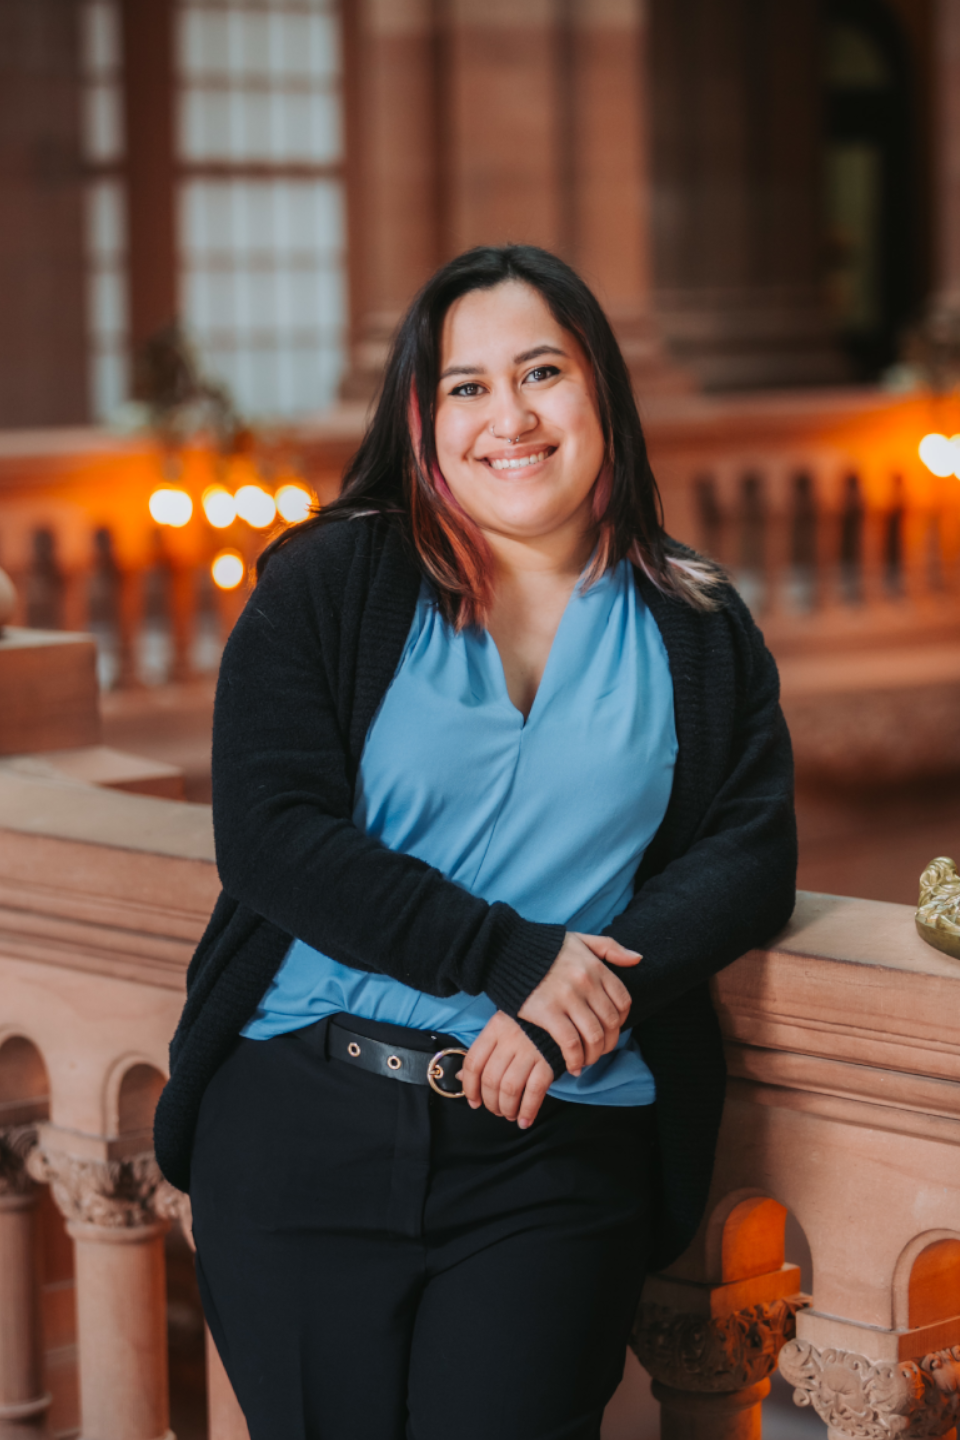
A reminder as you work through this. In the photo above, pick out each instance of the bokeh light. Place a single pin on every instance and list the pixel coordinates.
(255, 506)
(219, 506)
(228, 569)
(940, 455)
(171, 507)
(293, 502)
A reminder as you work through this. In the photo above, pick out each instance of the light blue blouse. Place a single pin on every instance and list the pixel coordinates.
(551, 815)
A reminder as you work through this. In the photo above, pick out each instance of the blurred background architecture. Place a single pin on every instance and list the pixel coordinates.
(214, 213)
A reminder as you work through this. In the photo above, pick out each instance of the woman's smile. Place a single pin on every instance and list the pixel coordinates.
(519, 462)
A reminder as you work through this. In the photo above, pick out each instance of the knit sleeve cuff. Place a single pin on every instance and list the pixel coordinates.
(547, 1046)
(525, 954)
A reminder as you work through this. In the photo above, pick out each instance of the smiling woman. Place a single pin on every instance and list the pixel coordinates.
(500, 781)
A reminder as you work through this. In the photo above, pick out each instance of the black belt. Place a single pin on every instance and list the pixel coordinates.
(412, 1067)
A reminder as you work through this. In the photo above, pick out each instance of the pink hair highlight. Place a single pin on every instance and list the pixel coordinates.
(450, 545)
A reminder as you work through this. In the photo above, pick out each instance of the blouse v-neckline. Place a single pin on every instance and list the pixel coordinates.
(497, 669)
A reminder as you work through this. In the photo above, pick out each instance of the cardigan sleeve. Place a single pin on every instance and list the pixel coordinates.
(286, 843)
(734, 885)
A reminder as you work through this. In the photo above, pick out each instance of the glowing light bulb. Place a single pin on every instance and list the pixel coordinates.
(293, 502)
(255, 506)
(940, 455)
(171, 507)
(228, 569)
(219, 506)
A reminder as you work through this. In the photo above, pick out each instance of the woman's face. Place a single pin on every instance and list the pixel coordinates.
(518, 435)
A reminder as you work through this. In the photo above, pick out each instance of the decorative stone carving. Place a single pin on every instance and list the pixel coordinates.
(866, 1400)
(172, 1204)
(114, 1194)
(938, 916)
(700, 1353)
(16, 1143)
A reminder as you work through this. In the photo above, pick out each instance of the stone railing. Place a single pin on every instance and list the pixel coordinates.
(818, 502)
(843, 1110)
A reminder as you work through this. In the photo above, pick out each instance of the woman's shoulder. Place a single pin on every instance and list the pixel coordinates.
(722, 632)
(324, 554)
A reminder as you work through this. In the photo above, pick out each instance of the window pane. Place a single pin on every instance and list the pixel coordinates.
(109, 382)
(105, 220)
(107, 305)
(99, 39)
(102, 122)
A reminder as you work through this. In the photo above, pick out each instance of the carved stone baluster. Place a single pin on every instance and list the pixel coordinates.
(711, 1373)
(23, 1401)
(861, 1399)
(120, 1286)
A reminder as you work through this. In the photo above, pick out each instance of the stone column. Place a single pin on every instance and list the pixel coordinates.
(120, 1287)
(736, 185)
(710, 1370)
(23, 1399)
(604, 95)
(392, 139)
(862, 1399)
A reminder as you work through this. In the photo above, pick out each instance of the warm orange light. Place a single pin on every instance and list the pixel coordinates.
(255, 506)
(940, 455)
(171, 507)
(228, 569)
(219, 506)
(293, 502)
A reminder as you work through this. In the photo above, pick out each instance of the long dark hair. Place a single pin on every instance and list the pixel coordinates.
(395, 470)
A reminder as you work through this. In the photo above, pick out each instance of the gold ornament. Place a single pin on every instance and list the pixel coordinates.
(938, 916)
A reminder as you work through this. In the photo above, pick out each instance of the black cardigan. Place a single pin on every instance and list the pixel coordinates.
(302, 677)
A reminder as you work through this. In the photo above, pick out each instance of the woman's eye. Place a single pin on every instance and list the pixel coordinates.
(467, 390)
(543, 372)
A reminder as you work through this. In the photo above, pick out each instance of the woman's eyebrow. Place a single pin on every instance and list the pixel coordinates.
(538, 350)
(520, 359)
(462, 370)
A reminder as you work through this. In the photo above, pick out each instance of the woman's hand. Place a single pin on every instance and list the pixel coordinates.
(579, 1001)
(505, 1071)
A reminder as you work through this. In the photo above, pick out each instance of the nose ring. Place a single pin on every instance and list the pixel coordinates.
(514, 441)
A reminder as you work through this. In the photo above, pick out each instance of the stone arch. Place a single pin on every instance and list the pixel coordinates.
(926, 1280)
(131, 1094)
(750, 1233)
(24, 1082)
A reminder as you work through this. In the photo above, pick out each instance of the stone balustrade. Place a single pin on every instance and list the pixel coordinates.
(818, 502)
(843, 1112)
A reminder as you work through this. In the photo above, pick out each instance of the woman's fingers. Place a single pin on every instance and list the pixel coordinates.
(618, 995)
(513, 1084)
(538, 1083)
(473, 1066)
(561, 1026)
(505, 1072)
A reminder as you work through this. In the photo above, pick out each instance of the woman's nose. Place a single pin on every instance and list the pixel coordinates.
(512, 419)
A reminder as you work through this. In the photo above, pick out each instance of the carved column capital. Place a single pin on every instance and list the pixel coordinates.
(713, 1355)
(867, 1400)
(113, 1195)
(16, 1143)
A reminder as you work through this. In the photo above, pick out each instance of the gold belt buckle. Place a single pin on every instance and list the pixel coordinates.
(435, 1073)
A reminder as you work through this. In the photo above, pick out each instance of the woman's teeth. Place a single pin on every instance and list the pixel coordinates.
(519, 464)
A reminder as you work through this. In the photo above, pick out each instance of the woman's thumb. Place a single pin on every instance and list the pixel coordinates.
(606, 948)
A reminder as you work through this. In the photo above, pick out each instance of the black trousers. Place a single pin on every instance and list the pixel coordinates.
(377, 1262)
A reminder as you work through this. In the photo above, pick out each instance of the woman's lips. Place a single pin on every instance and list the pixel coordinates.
(519, 462)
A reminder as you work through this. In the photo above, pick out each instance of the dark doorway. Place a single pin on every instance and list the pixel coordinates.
(871, 197)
